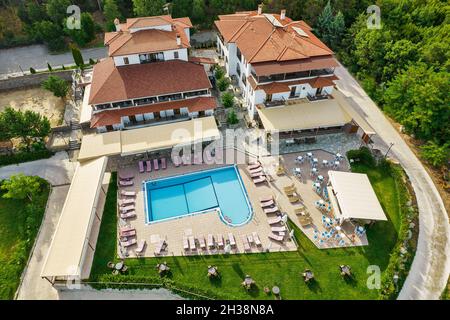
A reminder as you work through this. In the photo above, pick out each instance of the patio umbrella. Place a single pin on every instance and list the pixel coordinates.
(284, 218)
(227, 248)
(291, 234)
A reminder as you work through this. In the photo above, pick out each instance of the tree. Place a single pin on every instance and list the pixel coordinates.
(223, 83)
(232, 117)
(227, 99)
(198, 11)
(50, 33)
(20, 187)
(111, 12)
(57, 10)
(330, 28)
(28, 126)
(181, 8)
(435, 154)
(144, 8)
(77, 57)
(219, 73)
(59, 87)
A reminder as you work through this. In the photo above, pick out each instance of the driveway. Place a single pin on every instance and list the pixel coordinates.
(431, 265)
(37, 56)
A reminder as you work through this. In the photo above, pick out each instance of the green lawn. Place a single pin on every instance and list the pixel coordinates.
(268, 269)
(19, 224)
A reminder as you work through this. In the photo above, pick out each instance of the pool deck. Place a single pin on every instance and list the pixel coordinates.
(200, 225)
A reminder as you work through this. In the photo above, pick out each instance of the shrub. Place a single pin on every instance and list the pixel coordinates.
(227, 99)
(363, 154)
(49, 67)
(21, 157)
(219, 73)
(222, 84)
(58, 86)
(32, 71)
(77, 57)
(91, 61)
(435, 154)
(20, 187)
(232, 118)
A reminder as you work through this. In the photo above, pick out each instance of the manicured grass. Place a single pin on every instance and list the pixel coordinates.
(19, 223)
(268, 269)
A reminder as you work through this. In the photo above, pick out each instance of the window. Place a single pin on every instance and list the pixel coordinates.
(175, 55)
(126, 61)
(195, 93)
(238, 54)
(238, 70)
(151, 57)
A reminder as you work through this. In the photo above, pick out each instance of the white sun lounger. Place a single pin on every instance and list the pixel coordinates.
(259, 180)
(149, 165)
(254, 166)
(198, 158)
(274, 220)
(266, 198)
(163, 163)
(124, 202)
(278, 229)
(245, 243)
(185, 160)
(176, 161)
(271, 210)
(267, 204)
(141, 166)
(140, 248)
(125, 175)
(201, 241)
(276, 237)
(127, 193)
(191, 241)
(210, 241)
(128, 243)
(220, 241)
(160, 247)
(256, 239)
(185, 244)
(125, 183)
(231, 239)
(126, 209)
(128, 215)
(257, 174)
(155, 164)
(129, 233)
(259, 169)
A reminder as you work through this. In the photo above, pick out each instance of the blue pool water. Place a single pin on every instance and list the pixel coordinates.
(202, 191)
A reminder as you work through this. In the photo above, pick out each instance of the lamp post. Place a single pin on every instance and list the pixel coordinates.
(389, 149)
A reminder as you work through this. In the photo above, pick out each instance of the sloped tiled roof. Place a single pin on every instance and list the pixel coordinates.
(111, 83)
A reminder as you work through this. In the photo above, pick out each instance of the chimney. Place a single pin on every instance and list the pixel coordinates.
(117, 24)
(260, 6)
(283, 14)
(178, 40)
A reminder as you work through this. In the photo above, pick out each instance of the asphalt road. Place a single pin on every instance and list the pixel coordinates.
(37, 56)
(430, 269)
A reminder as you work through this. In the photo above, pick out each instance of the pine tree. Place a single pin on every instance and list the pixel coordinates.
(144, 8)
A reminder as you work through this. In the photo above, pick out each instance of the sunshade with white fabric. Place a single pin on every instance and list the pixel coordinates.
(67, 251)
(355, 196)
(304, 116)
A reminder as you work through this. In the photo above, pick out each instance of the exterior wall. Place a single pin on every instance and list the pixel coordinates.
(168, 55)
(182, 54)
(132, 58)
(187, 31)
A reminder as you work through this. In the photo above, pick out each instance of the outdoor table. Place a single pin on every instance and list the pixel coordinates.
(299, 158)
(119, 265)
(297, 170)
(324, 162)
(248, 281)
(321, 202)
(338, 228)
(276, 290)
(309, 154)
(317, 185)
(336, 163)
(308, 275)
(338, 156)
(212, 271)
(328, 220)
(315, 160)
(320, 178)
(162, 267)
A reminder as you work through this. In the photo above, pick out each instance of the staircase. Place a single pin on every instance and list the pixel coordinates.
(74, 144)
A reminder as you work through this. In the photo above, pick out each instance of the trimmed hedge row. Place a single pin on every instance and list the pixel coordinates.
(23, 156)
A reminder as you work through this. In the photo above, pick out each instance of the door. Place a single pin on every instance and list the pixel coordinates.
(132, 119)
(293, 89)
(319, 91)
(269, 97)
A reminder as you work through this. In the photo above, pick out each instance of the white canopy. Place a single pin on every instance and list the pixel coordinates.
(355, 196)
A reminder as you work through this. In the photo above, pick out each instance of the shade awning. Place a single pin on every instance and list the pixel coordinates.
(67, 250)
(355, 196)
(158, 137)
(303, 116)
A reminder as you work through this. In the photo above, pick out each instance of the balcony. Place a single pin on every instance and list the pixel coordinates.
(274, 103)
(162, 120)
(318, 97)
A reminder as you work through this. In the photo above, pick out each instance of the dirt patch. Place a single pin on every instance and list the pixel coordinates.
(37, 100)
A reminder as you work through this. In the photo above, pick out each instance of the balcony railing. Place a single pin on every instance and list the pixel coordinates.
(274, 103)
(177, 117)
(318, 97)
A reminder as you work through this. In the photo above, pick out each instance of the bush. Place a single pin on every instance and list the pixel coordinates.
(436, 155)
(232, 118)
(222, 84)
(49, 67)
(363, 154)
(219, 73)
(58, 86)
(32, 71)
(21, 157)
(227, 99)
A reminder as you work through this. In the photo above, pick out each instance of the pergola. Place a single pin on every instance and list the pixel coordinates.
(352, 197)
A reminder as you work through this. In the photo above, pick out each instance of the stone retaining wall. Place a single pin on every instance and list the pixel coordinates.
(32, 80)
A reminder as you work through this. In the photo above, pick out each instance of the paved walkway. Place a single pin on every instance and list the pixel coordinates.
(37, 56)
(431, 266)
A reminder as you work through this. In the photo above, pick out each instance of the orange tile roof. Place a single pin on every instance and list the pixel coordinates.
(143, 22)
(111, 83)
(275, 67)
(265, 37)
(204, 60)
(110, 117)
(278, 87)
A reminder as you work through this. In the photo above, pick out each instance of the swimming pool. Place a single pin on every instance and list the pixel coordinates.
(219, 190)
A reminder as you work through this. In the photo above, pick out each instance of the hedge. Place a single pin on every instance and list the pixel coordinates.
(23, 156)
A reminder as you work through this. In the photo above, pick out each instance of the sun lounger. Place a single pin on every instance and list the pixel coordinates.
(125, 175)
(266, 198)
(127, 193)
(128, 215)
(231, 239)
(163, 163)
(191, 241)
(155, 164)
(141, 166)
(279, 229)
(186, 160)
(245, 243)
(126, 183)
(289, 187)
(140, 248)
(198, 159)
(125, 202)
(129, 233)
(250, 239)
(259, 180)
(259, 169)
(127, 208)
(256, 239)
(267, 204)
(148, 163)
(254, 166)
(210, 241)
(128, 243)
(304, 221)
(294, 198)
(220, 241)
(160, 247)
(280, 171)
(185, 243)
(201, 241)
(257, 175)
(276, 237)
(271, 210)
(274, 220)
(176, 161)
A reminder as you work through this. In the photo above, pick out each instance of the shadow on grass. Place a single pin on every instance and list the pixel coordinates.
(237, 268)
(314, 286)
